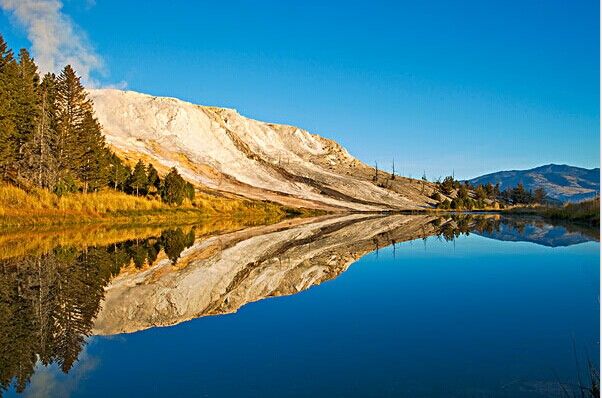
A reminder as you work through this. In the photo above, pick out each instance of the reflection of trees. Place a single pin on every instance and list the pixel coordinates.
(175, 241)
(48, 302)
(451, 227)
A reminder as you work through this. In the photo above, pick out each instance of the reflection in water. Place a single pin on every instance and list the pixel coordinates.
(56, 296)
(542, 233)
(48, 301)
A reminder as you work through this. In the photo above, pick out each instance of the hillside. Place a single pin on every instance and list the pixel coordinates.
(561, 182)
(218, 149)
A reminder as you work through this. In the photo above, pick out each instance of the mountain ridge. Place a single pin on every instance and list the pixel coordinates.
(562, 182)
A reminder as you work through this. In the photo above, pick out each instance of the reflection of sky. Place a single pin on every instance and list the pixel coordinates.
(50, 381)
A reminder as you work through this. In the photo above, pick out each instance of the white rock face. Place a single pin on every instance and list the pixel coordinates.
(220, 149)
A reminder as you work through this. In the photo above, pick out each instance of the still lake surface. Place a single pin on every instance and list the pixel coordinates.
(357, 306)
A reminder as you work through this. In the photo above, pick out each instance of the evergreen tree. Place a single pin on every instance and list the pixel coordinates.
(448, 185)
(490, 191)
(189, 191)
(520, 195)
(138, 180)
(539, 195)
(152, 177)
(173, 189)
(481, 192)
(72, 107)
(174, 242)
(27, 109)
(9, 74)
(93, 156)
(446, 204)
(463, 192)
(119, 173)
(436, 196)
(38, 161)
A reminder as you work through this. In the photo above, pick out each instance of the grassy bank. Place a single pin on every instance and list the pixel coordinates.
(41, 239)
(40, 207)
(586, 212)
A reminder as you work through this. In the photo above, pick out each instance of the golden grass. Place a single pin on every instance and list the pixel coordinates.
(41, 207)
(15, 199)
(38, 206)
(37, 240)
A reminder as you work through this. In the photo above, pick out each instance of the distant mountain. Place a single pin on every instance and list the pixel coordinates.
(561, 182)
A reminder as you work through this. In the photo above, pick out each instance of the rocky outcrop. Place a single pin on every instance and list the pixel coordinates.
(221, 150)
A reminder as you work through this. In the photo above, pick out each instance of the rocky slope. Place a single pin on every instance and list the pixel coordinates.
(218, 149)
(561, 182)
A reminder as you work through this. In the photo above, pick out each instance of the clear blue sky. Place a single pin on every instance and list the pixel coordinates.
(475, 86)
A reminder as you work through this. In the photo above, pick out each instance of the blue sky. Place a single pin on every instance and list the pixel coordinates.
(471, 86)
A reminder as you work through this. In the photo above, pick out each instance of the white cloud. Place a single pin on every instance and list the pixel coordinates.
(50, 381)
(55, 40)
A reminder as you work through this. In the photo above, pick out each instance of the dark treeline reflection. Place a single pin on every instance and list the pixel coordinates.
(48, 302)
(451, 227)
(531, 229)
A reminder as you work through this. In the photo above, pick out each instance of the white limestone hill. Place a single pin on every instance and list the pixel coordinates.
(220, 150)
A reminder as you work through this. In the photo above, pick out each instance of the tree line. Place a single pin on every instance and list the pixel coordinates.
(467, 197)
(50, 138)
(144, 180)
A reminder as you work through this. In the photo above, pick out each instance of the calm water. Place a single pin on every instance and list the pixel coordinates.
(462, 307)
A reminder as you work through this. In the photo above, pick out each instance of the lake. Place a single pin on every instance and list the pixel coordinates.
(361, 305)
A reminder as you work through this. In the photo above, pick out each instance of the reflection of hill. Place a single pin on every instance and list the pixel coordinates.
(228, 271)
(552, 236)
(535, 231)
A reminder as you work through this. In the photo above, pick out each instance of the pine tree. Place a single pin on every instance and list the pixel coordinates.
(539, 195)
(448, 185)
(119, 173)
(152, 177)
(81, 149)
(138, 180)
(27, 110)
(463, 192)
(9, 74)
(519, 194)
(72, 106)
(93, 155)
(490, 191)
(189, 189)
(40, 154)
(481, 192)
(173, 189)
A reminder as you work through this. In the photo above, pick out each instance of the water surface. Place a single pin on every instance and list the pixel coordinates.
(361, 305)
